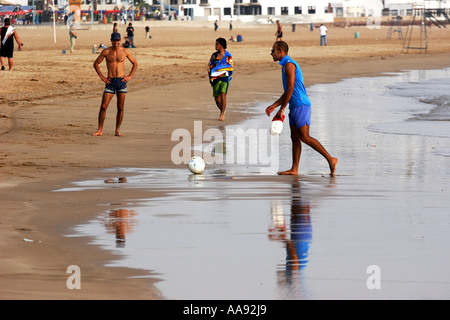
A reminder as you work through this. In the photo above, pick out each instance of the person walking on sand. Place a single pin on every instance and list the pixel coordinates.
(299, 109)
(279, 33)
(130, 35)
(72, 36)
(147, 32)
(220, 70)
(116, 82)
(323, 35)
(8, 35)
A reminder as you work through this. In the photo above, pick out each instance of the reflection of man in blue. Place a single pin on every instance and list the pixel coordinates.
(301, 232)
(297, 238)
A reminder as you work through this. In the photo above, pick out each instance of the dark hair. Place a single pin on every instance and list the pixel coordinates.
(7, 21)
(283, 46)
(222, 42)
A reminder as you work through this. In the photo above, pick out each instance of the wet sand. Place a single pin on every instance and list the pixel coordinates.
(46, 142)
(244, 233)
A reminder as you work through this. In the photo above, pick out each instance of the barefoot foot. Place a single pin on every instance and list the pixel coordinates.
(98, 133)
(333, 165)
(288, 172)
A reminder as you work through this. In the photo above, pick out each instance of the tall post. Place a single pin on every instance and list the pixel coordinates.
(239, 9)
(34, 13)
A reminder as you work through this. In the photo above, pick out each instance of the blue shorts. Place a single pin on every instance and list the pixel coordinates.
(300, 116)
(116, 85)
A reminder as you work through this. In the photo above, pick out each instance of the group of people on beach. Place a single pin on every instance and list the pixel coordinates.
(220, 71)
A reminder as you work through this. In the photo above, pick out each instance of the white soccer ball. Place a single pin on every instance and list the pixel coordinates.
(196, 165)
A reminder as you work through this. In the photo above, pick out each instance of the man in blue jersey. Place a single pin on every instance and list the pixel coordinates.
(299, 109)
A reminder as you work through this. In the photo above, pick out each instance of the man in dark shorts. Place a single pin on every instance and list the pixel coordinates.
(116, 82)
(8, 34)
(279, 33)
(130, 35)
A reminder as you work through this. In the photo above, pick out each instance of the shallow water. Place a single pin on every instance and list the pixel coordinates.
(240, 232)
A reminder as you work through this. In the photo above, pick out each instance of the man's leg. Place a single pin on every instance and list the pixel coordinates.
(296, 151)
(220, 96)
(102, 113)
(120, 108)
(10, 63)
(316, 145)
(221, 102)
(2, 61)
(218, 100)
(223, 105)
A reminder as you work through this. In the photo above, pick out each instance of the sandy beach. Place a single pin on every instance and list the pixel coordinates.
(49, 107)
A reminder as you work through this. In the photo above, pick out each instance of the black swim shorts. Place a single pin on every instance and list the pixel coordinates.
(116, 85)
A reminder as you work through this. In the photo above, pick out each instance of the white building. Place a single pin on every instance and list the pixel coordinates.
(242, 9)
(405, 7)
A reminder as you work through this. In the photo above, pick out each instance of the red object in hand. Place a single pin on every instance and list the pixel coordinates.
(277, 118)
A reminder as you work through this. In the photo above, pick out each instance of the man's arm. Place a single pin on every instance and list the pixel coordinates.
(133, 62)
(16, 36)
(209, 67)
(97, 66)
(286, 96)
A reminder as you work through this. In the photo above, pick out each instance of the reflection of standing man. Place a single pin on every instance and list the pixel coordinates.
(297, 238)
(323, 34)
(116, 82)
(299, 109)
(120, 222)
(8, 35)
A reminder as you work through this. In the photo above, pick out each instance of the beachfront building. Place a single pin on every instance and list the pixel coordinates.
(250, 9)
(287, 9)
(257, 11)
(405, 7)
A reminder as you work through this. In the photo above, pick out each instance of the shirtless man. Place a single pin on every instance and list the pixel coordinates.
(279, 33)
(116, 82)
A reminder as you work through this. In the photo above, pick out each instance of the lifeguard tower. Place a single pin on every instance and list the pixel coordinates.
(419, 20)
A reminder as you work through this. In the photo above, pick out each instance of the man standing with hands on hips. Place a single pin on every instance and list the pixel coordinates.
(299, 109)
(116, 82)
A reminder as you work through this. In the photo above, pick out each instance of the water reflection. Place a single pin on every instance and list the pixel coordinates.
(120, 222)
(296, 239)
